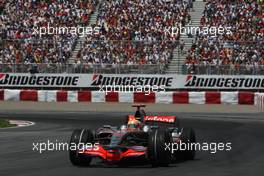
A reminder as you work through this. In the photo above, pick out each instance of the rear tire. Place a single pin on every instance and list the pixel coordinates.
(157, 154)
(188, 137)
(83, 136)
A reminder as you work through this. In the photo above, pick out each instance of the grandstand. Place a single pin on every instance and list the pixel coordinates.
(18, 19)
(242, 51)
(132, 37)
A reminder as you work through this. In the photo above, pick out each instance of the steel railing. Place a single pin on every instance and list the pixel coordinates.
(132, 69)
(84, 68)
(223, 69)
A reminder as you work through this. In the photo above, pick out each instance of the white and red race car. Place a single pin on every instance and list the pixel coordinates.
(141, 137)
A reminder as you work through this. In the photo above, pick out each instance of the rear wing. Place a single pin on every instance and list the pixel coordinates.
(166, 119)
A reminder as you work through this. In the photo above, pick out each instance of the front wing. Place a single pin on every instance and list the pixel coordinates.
(115, 154)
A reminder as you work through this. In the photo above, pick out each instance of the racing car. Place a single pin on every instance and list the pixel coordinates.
(141, 137)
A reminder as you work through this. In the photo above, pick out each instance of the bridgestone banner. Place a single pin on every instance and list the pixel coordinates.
(42, 80)
(223, 82)
(99, 80)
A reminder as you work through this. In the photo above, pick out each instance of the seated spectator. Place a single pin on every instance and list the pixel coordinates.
(133, 32)
(19, 18)
(244, 47)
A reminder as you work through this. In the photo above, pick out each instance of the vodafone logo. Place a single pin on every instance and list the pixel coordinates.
(168, 119)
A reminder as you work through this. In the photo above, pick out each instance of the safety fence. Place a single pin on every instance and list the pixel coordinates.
(223, 69)
(84, 68)
(159, 68)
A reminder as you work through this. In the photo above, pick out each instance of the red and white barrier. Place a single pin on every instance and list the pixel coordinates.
(129, 97)
(259, 100)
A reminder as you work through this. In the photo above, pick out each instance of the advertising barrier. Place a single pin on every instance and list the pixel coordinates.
(223, 82)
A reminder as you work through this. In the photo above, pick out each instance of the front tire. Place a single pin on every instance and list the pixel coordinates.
(78, 137)
(157, 153)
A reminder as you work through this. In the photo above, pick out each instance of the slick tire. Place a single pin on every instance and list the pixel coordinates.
(157, 153)
(82, 136)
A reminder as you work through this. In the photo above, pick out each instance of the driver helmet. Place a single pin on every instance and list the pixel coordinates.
(133, 124)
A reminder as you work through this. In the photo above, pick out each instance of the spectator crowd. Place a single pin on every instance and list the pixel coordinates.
(133, 32)
(244, 47)
(18, 19)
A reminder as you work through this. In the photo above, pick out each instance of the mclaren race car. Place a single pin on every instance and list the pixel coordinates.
(141, 137)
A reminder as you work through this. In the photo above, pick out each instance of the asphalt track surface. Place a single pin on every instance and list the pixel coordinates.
(244, 131)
